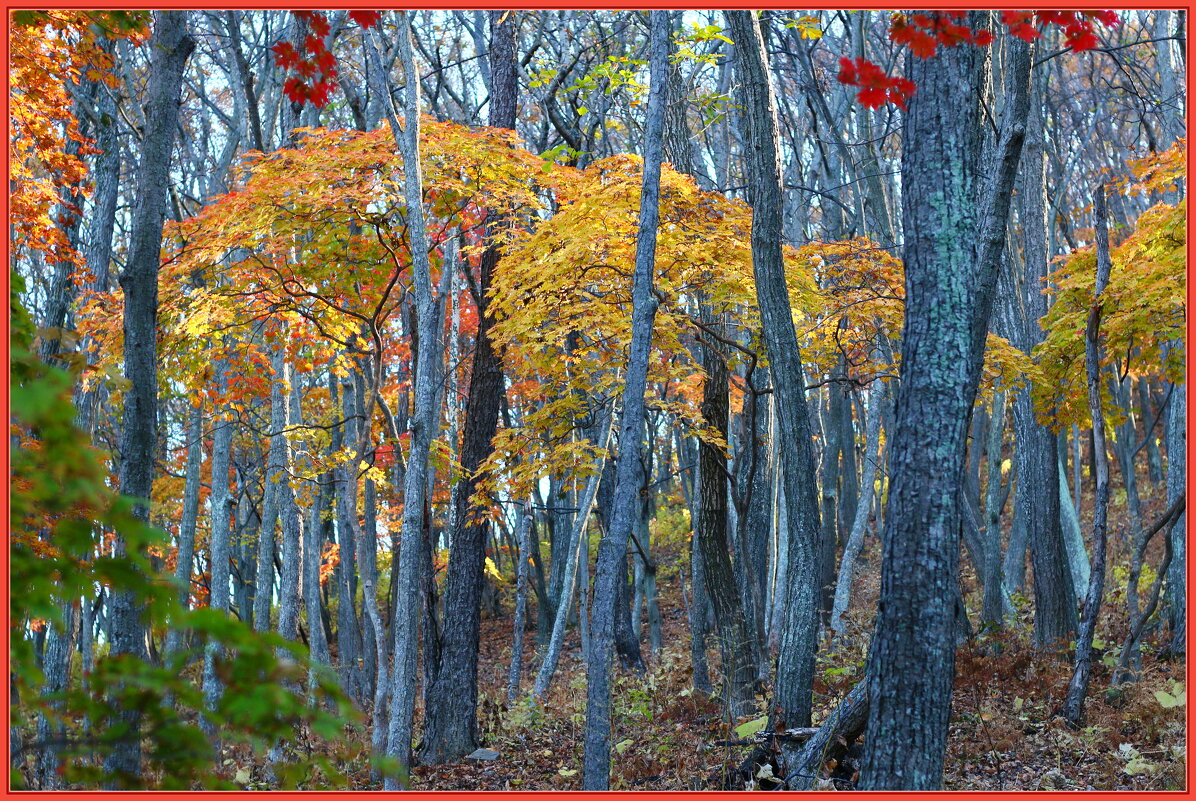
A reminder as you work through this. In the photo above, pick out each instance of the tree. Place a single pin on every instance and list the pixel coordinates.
(954, 233)
(1037, 447)
(451, 726)
(406, 621)
(795, 666)
(1077, 688)
(170, 46)
(612, 547)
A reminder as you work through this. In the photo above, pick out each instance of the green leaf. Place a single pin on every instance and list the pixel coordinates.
(745, 730)
(1169, 701)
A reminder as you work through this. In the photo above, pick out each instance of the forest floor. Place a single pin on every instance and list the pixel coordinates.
(1005, 731)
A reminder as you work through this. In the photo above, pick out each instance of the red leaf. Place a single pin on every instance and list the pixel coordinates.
(847, 72)
(319, 25)
(366, 19)
(873, 97)
(1025, 30)
(1010, 18)
(285, 55)
(294, 90)
(326, 61)
(1083, 41)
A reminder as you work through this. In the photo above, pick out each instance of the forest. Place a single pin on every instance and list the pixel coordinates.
(597, 399)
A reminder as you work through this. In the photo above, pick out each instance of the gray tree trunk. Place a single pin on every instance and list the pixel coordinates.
(313, 549)
(855, 539)
(711, 530)
(952, 253)
(348, 625)
(406, 620)
(291, 558)
(221, 502)
(1077, 688)
(1154, 462)
(1170, 83)
(169, 48)
(185, 561)
(275, 461)
(523, 524)
(696, 610)
(569, 559)
(993, 603)
(105, 173)
(612, 549)
(795, 666)
(1073, 538)
(451, 714)
(1176, 474)
(60, 641)
(1037, 495)
(832, 448)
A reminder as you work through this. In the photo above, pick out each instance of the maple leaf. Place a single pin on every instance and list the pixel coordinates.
(923, 33)
(366, 19)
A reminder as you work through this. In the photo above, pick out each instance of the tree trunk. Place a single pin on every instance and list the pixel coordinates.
(1073, 538)
(451, 715)
(219, 554)
(1077, 688)
(952, 254)
(1176, 473)
(169, 48)
(406, 614)
(1038, 474)
(348, 624)
(313, 545)
(699, 625)
(734, 636)
(185, 558)
(795, 667)
(1154, 461)
(264, 582)
(612, 549)
(569, 558)
(830, 509)
(105, 172)
(523, 523)
(993, 603)
(856, 539)
(292, 534)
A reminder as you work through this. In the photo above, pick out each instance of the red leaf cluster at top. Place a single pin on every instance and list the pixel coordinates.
(1077, 25)
(314, 66)
(876, 86)
(924, 32)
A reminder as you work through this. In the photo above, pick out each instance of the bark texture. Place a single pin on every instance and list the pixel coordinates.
(451, 723)
(612, 549)
(170, 47)
(795, 666)
(952, 251)
(1077, 688)
(407, 603)
(734, 636)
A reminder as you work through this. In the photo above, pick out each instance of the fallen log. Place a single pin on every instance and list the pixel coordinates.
(830, 742)
(795, 735)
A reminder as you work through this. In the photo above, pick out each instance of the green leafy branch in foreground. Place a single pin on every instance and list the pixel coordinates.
(61, 510)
